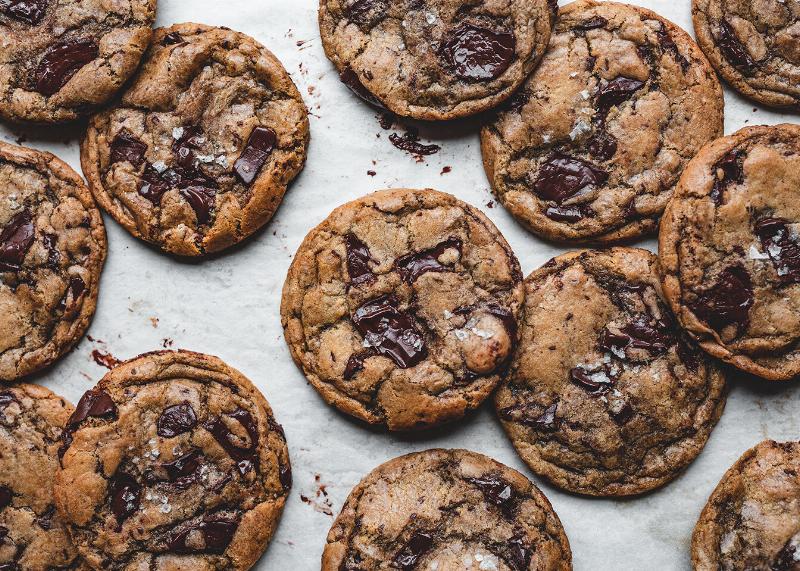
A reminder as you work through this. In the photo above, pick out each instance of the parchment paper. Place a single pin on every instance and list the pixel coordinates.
(229, 306)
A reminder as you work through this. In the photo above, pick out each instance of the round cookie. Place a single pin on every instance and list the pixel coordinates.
(730, 251)
(33, 535)
(173, 461)
(52, 249)
(447, 509)
(59, 59)
(604, 396)
(752, 519)
(198, 153)
(401, 308)
(754, 45)
(590, 149)
(435, 60)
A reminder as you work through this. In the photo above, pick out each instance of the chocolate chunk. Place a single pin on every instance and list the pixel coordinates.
(504, 315)
(125, 492)
(734, 50)
(728, 170)
(6, 398)
(176, 420)
(358, 259)
(366, 13)
(496, 491)
(412, 266)
(3, 535)
(126, 147)
(410, 142)
(622, 414)
(668, 45)
(28, 11)
(45, 521)
(259, 146)
(351, 80)
(245, 456)
(545, 421)
(561, 176)
(61, 61)
(202, 200)
(408, 556)
(781, 244)
(602, 145)
(787, 557)
(285, 476)
(6, 495)
(182, 470)
(53, 256)
(516, 554)
(517, 101)
(639, 333)
(75, 290)
(596, 382)
(172, 38)
(15, 240)
(728, 301)
(390, 332)
(591, 24)
(356, 363)
(95, 403)
(152, 186)
(184, 147)
(216, 532)
(570, 214)
(478, 54)
(616, 91)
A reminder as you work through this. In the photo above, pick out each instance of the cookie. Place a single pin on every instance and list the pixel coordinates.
(197, 154)
(446, 509)
(52, 249)
(755, 46)
(33, 535)
(401, 308)
(730, 251)
(605, 397)
(592, 146)
(752, 520)
(435, 60)
(59, 59)
(173, 461)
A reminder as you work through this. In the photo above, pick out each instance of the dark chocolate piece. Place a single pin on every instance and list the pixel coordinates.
(728, 301)
(412, 266)
(358, 259)
(351, 80)
(390, 331)
(561, 176)
(734, 50)
(408, 556)
(570, 214)
(246, 456)
(61, 61)
(176, 420)
(727, 171)
(126, 147)
(259, 146)
(15, 240)
(497, 492)
(29, 11)
(781, 245)
(217, 533)
(475, 53)
(125, 495)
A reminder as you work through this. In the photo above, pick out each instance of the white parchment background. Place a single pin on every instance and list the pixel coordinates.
(229, 306)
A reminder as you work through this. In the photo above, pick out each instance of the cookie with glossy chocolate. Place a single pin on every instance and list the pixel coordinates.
(52, 249)
(754, 45)
(401, 308)
(592, 146)
(447, 509)
(60, 59)
(197, 154)
(752, 519)
(173, 461)
(605, 396)
(434, 60)
(730, 250)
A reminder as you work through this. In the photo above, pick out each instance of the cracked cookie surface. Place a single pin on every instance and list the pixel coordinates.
(591, 147)
(730, 250)
(34, 536)
(754, 45)
(446, 509)
(401, 308)
(752, 519)
(59, 59)
(199, 152)
(604, 396)
(173, 461)
(52, 249)
(435, 59)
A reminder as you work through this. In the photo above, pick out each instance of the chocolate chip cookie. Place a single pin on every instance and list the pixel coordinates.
(198, 153)
(52, 249)
(435, 59)
(401, 308)
(730, 250)
(447, 509)
(59, 59)
(752, 520)
(754, 45)
(32, 535)
(605, 397)
(591, 147)
(173, 461)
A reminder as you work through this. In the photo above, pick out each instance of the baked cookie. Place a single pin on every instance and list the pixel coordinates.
(401, 308)
(438, 59)
(52, 249)
(446, 509)
(174, 461)
(590, 149)
(34, 538)
(754, 45)
(604, 396)
(730, 250)
(59, 59)
(198, 153)
(752, 520)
